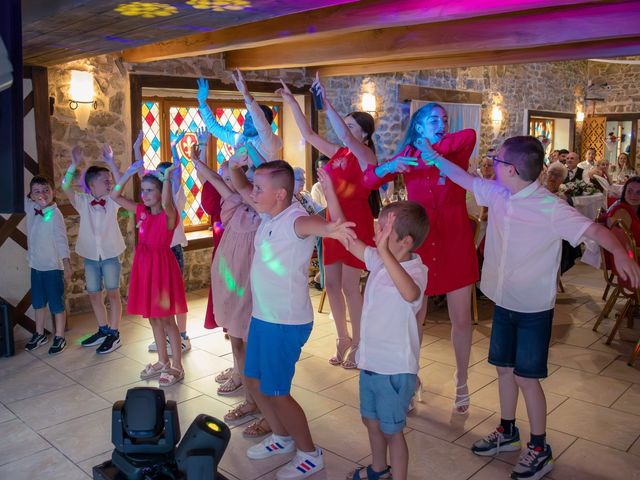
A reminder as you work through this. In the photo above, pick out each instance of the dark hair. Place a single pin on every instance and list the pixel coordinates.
(268, 113)
(162, 166)
(368, 126)
(40, 180)
(322, 158)
(150, 177)
(591, 148)
(563, 151)
(411, 219)
(416, 119)
(282, 173)
(92, 173)
(623, 196)
(526, 154)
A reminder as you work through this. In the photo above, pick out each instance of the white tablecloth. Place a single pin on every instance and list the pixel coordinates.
(588, 205)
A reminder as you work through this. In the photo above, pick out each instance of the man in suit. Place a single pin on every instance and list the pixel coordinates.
(575, 172)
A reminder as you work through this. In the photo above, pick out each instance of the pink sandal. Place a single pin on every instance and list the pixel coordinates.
(170, 377)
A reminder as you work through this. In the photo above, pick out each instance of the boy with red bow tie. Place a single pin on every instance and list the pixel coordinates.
(48, 251)
(99, 244)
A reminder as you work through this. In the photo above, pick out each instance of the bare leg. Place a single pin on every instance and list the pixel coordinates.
(41, 316)
(238, 352)
(459, 304)
(266, 407)
(398, 455)
(378, 443)
(353, 297)
(508, 389)
(171, 329)
(60, 320)
(333, 284)
(536, 403)
(294, 420)
(99, 310)
(181, 318)
(157, 327)
(115, 313)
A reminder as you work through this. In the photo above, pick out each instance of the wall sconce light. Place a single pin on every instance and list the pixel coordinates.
(580, 116)
(81, 93)
(369, 103)
(496, 116)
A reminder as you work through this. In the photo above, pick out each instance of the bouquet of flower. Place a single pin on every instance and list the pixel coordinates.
(577, 188)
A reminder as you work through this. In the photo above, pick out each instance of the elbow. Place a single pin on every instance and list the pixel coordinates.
(412, 296)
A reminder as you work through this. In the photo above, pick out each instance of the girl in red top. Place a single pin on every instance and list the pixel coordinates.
(345, 167)
(449, 251)
(628, 207)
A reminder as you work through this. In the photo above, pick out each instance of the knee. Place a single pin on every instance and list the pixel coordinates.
(527, 383)
(114, 295)
(331, 284)
(351, 286)
(504, 372)
(96, 296)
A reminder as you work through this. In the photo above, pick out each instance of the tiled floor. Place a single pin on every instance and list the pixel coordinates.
(55, 412)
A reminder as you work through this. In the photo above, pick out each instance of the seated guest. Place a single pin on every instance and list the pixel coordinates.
(556, 173)
(575, 172)
(628, 207)
(598, 176)
(316, 190)
(553, 157)
(562, 155)
(589, 159)
(620, 172)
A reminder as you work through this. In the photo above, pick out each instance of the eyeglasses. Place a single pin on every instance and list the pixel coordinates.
(495, 159)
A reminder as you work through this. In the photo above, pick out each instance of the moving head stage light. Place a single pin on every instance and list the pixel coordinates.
(145, 432)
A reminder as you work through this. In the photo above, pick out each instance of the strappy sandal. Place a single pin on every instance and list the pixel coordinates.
(259, 428)
(224, 375)
(464, 399)
(153, 370)
(170, 377)
(351, 364)
(371, 473)
(339, 357)
(241, 411)
(417, 395)
(229, 387)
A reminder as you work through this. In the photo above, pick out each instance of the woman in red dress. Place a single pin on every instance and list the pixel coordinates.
(448, 251)
(627, 208)
(346, 166)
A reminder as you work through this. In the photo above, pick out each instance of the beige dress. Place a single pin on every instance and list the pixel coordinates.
(230, 282)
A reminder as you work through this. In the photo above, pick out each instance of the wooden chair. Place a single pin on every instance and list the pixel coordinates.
(601, 219)
(475, 226)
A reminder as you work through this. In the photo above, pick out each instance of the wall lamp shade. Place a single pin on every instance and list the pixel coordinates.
(369, 103)
(496, 115)
(580, 117)
(81, 96)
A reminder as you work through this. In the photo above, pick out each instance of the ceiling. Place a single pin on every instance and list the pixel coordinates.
(336, 37)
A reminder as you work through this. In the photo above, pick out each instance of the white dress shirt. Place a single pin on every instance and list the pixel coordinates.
(99, 235)
(47, 242)
(318, 195)
(523, 244)
(389, 339)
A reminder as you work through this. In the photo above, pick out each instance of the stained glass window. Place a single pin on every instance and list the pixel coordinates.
(151, 134)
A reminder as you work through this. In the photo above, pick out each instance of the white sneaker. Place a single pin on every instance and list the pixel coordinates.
(270, 447)
(303, 465)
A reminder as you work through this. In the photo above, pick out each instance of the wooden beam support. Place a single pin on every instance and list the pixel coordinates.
(484, 34)
(318, 24)
(576, 51)
(417, 92)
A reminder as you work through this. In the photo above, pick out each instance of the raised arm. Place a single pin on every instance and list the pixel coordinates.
(324, 146)
(107, 156)
(209, 175)
(457, 175)
(76, 160)
(317, 226)
(176, 173)
(238, 177)
(167, 197)
(359, 149)
(225, 135)
(116, 193)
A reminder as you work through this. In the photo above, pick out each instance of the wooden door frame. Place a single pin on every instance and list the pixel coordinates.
(547, 113)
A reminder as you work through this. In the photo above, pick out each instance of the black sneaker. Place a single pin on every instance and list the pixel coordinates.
(496, 442)
(534, 463)
(95, 339)
(36, 341)
(110, 343)
(58, 345)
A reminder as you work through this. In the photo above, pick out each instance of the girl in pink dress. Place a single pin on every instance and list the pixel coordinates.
(156, 290)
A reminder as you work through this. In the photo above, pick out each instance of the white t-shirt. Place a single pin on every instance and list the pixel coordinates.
(280, 268)
(318, 195)
(99, 235)
(46, 237)
(523, 244)
(389, 339)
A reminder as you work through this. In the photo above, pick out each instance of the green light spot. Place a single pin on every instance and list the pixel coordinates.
(117, 188)
(267, 257)
(47, 215)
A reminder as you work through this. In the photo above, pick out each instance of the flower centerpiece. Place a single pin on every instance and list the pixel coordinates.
(577, 188)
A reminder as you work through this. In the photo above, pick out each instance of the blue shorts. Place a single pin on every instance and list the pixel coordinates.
(521, 341)
(99, 272)
(272, 352)
(47, 287)
(178, 252)
(386, 398)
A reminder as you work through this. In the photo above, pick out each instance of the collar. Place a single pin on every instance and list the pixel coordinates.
(528, 190)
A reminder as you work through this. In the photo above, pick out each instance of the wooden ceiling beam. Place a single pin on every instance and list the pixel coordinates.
(317, 24)
(575, 51)
(539, 29)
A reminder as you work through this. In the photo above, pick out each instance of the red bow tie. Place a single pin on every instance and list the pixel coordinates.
(100, 202)
(38, 212)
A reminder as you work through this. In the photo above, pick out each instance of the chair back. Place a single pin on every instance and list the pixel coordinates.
(625, 237)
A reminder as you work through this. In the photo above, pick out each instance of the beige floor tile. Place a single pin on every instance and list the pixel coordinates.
(579, 358)
(87, 465)
(620, 370)
(107, 376)
(189, 410)
(629, 401)
(213, 343)
(617, 347)
(316, 374)
(18, 441)
(139, 351)
(314, 404)
(198, 364)
(16, 364)
(58, 406)
(335, 468)
(592, 422)
(323, 347)
(76, 357)
(559, 441)
(442, 351)
(5, 414)
(585, 386)
(584, 460)
(178, 392)
(38, 379)
(48, 464)
(322, 331)
(428, 340)
(435, 416)
(346, 392)
(83, 437)
(493, 470)
(208, 386)
(342, 432)
(576, 336)
(439, 378)
(489, 399)
(635, 448)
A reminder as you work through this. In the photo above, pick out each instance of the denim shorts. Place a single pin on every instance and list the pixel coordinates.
(178, 252)
(521, 341)
(102, 272)
(273, 349)
(386, 398)
(47, 287)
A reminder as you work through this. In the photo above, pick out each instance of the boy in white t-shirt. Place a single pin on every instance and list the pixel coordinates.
(522, 254)
(389, 351)
(282, 316)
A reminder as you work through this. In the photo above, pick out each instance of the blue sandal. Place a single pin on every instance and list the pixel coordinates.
(371, 473)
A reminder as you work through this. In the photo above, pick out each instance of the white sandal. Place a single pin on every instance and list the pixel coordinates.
(464, 398)
(153, 370)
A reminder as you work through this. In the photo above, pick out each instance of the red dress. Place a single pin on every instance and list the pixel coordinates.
(347, 178)
(211, 203)
(448, 251)
(155, 286)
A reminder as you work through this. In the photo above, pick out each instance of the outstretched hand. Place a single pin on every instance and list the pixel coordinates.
(135, 166)
(238, 79)
(428, 154)
(107, 153)
(325, 181)
(628, 269)
(342, 231)
(76, 155)
(137, 152)
(318, 87)
(382, 234)
(202, 134)
(203, 90)
(284, 92)
(240, 158)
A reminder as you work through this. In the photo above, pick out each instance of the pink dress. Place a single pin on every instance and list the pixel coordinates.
(155, 287)
(230, 279)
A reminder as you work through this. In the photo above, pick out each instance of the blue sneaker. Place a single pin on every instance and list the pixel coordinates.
(534, 463)
(496, 442)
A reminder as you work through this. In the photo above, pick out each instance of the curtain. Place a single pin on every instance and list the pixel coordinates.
(461, 116)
